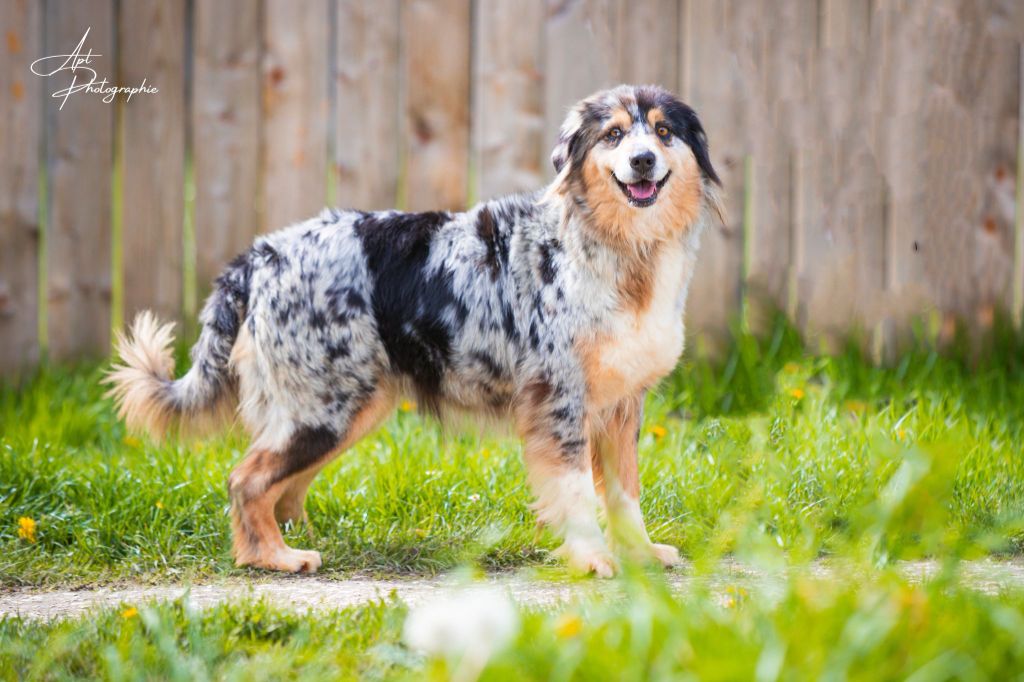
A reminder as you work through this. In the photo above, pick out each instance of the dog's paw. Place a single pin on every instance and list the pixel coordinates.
(666, 554)
(290, 560)
(585, 558)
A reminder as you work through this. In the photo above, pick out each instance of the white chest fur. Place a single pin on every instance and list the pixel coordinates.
(639, 346)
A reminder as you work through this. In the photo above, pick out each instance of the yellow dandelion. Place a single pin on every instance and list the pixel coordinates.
(159, 504)
(901, 434)
(408, 406)
(132, 441)
(797, 393)
(484, 452)
(27, 529)
(568, 625)
(130, 612)
(658, 431)
(420, 533)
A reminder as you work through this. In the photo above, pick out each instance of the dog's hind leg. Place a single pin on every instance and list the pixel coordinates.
(290, 505)
(271, 482)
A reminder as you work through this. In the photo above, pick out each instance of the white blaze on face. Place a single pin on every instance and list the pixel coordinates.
(638, 142)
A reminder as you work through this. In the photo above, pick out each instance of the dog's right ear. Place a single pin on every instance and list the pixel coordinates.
(566, 139)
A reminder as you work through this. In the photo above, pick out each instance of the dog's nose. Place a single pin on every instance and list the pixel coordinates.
(642, 163)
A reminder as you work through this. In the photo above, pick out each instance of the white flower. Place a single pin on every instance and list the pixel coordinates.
(474, 497)
(466, 627)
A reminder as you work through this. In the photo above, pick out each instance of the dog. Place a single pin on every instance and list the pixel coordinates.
(554, 312)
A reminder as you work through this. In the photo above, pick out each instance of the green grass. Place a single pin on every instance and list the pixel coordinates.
(772, 447)
(774, 456)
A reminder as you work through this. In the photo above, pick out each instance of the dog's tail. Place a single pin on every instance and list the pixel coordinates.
(148, 397)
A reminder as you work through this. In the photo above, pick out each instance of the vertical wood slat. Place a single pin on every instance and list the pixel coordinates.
(226, 131)
(436, 68)
(153, 155)
(580, 38)
(841, 216)
(776, 55)
(712, 84)
(951, 149)
(20, 130)
(508, 112)
(648, 42)
(80, 166)
(367, 120)
(294, 130)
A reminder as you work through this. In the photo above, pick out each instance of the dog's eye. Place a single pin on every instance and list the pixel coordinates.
(663, 132)
(613, 135)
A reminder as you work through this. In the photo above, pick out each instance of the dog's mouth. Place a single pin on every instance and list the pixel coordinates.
(643, 193)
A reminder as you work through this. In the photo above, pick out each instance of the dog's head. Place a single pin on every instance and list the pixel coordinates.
(635, 159)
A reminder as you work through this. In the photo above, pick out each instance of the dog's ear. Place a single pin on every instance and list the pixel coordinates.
(567, 137)
(696, 138)
(699, 144)
(686, 124)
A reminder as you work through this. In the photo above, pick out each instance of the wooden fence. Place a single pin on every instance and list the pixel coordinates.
(870, 149)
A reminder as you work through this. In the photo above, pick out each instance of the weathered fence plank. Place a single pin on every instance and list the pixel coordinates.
(294, 130)
(20, 129)
(225, 131)
(776, 55)
(712, 84)
(436, 69)
(950, 160)
(80, 162)
(648, 42)
(580, 56)
(840, 192)
(508, 112)
(152, 49)
(366, 117)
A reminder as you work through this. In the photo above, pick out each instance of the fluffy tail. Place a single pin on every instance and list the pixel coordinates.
(148, 397)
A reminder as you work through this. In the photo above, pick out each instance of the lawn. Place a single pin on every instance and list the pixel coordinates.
(772, 456)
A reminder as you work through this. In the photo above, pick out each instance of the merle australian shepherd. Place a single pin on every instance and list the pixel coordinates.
(554, 311)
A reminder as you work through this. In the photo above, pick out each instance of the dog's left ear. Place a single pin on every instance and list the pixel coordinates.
(567, 135)
(697, 139)
(685, 121)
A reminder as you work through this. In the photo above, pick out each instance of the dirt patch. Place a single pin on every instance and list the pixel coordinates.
(312, 592)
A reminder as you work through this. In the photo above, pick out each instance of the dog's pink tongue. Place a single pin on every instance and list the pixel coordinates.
(641, 190)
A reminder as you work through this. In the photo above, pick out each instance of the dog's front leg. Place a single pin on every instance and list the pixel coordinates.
(615, 438)
(552, 423)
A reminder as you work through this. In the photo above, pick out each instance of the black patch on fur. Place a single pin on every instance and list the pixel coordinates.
(490, 365)
(270, 256)
(487, 230)
(223, 314)
(548, 269)
(410, 305)
(307, 446)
